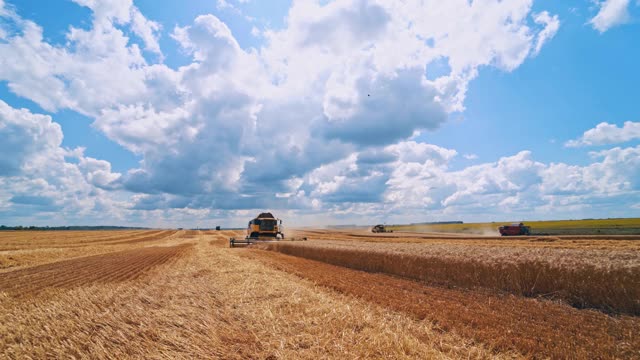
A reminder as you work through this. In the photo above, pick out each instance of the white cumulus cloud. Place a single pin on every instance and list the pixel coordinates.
(321, 116)
(610, 14)
(107, 12)
(551, 26)
(36, 176)
(605, 134)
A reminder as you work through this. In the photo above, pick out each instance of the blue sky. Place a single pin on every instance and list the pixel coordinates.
(157, 113)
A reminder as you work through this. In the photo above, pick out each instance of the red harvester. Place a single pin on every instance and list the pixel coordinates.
(514, 230)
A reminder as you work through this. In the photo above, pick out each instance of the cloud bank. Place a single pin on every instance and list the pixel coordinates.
(318, 120)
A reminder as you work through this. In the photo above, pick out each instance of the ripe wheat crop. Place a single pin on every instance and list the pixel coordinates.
(609, 284)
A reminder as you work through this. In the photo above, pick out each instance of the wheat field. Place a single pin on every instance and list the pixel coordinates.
(627, 226)
(171, 294)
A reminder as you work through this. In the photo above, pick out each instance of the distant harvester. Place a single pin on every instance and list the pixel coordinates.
(515, 230)
(380, 229)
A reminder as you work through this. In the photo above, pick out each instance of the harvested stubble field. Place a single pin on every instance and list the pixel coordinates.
(25, 248)
(179, 294)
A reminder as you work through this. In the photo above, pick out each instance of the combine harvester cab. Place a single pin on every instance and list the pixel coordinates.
(264, 228)
(515, 230)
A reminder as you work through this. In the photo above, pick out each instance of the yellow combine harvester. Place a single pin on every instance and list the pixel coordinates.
(264, 228)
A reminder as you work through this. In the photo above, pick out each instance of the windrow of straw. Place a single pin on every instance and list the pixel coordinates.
(614, 290)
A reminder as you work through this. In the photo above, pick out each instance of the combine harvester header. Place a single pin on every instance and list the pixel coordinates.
(262, 229)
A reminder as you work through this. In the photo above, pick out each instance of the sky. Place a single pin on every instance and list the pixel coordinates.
(202, 113)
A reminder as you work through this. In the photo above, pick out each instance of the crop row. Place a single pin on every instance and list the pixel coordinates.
(613, 289)
(116, 266)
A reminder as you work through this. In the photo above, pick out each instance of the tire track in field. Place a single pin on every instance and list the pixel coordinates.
(111, 267)
(537, 329)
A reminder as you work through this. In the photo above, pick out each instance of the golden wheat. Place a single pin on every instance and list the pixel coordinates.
(536, 328)
(211, 303)
(28, 248)
(608, 281)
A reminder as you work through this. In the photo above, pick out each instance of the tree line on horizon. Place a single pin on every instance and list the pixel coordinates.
(75, 227)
